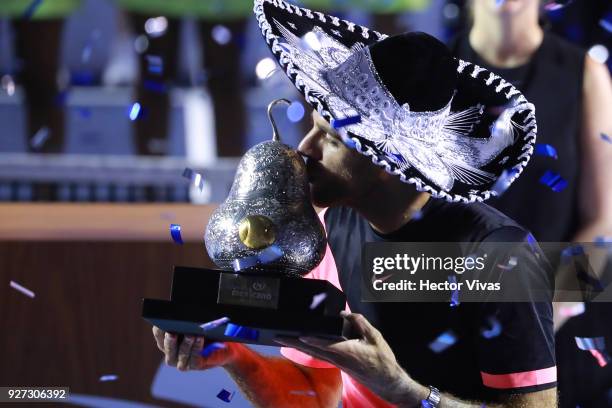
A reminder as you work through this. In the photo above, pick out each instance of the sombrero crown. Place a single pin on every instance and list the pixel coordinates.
(447, 126)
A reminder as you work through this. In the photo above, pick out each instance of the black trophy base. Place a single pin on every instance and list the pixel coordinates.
(259, 307)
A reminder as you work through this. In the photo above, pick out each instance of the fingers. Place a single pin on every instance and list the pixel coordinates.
(362, 326)
(159, 337)
(195, 357)
(184, 353)
(170, 349)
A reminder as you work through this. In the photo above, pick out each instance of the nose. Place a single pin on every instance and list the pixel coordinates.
(310, 146)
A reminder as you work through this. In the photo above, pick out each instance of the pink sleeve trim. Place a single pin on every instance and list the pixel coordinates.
(522, 379)
(304, 359)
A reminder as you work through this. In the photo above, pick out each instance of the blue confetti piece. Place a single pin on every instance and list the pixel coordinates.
(214, 323)
(195, 177)
(110, 377)
(135, 111)
(40, 137)
(225, 395)
(426, 404)
(350, 120)
(417, 215)
(571, 251)
(554, 181)
(601, 241)
(29, 12)
(295, 112)
(317, 299)
(494, 329)
(211, 348)
(606, 138)
(443, 341)
(606, 22)
(154, 86)
(350, 143)
(454, 302)
(270, 254)
(155, 64)
(245, 263)
(596, 346)
(175, 231)
(503, 182)
(546, 150)
(246, 333)
(591, 343)
(265, 256)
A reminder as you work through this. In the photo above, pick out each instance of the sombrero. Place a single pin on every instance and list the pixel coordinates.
(446, 125)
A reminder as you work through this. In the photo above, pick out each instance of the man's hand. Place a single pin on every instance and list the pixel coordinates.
(368, 360)
(186, 355)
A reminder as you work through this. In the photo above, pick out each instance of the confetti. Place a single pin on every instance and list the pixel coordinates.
(417, 215)
(556, 5)
(443, 341)
(234, 330)
(40, 137)
(504, 181)
(8, 85)
(135, 111)
(155, 64)
(317, 299)
(454, 302)
(154, 86)
(156, 26)
(295, 112)
(596, 346)
(109, 377)
(553, 180)
(571, 251)
(350, 143)
(267, 255)
(194, 177)
(509, 265)
(21, 289)
(308, 393)
(311, 40)
(29, 12)
(606, 138)
(546, 150)
(601, 241)
(494, 329)
(225, 395)
(573, 310)
(175, 231)
(350, 120)
(214, 323)
(211, 348)
(606, 22)
(221, 34)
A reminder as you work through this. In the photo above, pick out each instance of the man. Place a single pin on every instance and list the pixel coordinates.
(385, 179)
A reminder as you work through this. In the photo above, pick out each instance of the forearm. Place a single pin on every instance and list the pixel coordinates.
(276, 382)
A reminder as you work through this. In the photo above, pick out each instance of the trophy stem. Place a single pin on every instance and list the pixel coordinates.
(275, 135)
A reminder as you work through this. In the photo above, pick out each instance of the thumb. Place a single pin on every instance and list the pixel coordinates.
(362, 326)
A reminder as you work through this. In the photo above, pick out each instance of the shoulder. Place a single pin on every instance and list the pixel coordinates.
(477, 221)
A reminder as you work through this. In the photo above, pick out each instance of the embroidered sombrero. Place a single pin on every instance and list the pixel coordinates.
(447, 126)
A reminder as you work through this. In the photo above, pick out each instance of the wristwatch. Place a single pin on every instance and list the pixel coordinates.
(433, 400)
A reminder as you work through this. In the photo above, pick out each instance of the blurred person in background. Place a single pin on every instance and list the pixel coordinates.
(222, 24)
(38, 27)
(572, 94)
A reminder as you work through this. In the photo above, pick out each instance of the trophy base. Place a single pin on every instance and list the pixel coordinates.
(258, 307)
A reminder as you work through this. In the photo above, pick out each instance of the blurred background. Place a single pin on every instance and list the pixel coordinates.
(107, 102)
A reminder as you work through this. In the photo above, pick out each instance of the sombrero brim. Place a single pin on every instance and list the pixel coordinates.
(458, 151)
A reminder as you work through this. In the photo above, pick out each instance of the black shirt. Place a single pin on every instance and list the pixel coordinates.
(474, 367)
(552, 80)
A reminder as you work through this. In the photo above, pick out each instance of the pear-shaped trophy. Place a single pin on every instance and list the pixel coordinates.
(264, 238)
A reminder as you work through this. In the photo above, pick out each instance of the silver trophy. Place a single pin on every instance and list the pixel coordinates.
(264, 238)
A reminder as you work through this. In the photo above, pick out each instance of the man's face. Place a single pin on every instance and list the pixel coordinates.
(337, 174)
